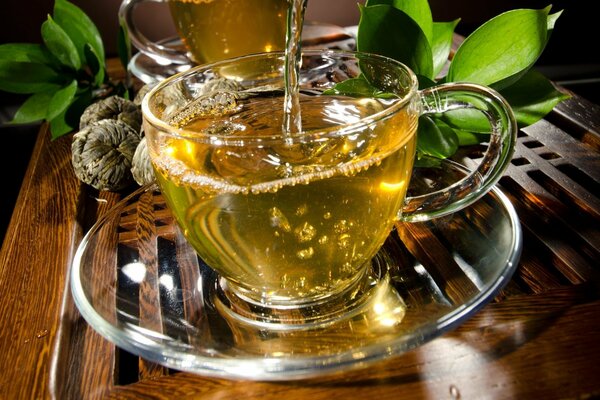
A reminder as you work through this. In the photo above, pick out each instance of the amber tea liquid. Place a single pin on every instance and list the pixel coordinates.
(213, 30)
(290, 222)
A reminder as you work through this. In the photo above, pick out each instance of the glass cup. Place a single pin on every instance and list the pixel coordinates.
(292, 221)
(212, 30)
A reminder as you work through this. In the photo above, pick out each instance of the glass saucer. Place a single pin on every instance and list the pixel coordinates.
(151, 70)
(140, 285)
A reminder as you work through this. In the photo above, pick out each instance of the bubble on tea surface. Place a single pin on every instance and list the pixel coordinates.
(224, 128)
(212, 104)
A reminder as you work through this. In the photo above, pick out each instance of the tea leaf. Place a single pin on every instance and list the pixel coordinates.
(79, 27)
(27, 68)
(59, 126)
(59, 44)
(26, 52)
(552, 18)
(441, 43)
(468, 119)
(61, 100)
(27, 77)
(124, 45)
(532, 97)
(68, 119)
(418, 10)
(501, 50)
(436, 139)
(33, 109)
(404, 39)
(466, 138)
(94, 61)
(425, 82)
(358, 87)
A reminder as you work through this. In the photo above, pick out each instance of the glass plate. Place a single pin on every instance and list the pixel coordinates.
(140, 285)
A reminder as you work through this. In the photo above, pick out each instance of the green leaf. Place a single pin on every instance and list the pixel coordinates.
(59, 126)
(532, 97)
(59, 44)
(68, 120)
(502, 49)
(423, 161)
(436, 139)
(94, 61)
(124, 45)
(466, 138)
(418, 10)
(61, 100)
(27, 68)
(468, 119)
(26, 52)
(552, 18)
(425, 82)
(79, 27)
(27, 77)
(441, 43)
(33, 109)
(358, 87)
(403, 40)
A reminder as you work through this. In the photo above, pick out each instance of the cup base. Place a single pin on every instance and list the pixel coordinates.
(234, 305)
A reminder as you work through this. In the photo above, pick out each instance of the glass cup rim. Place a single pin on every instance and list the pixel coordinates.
(310, 135)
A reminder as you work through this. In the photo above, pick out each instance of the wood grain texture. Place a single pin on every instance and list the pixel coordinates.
(34, 261)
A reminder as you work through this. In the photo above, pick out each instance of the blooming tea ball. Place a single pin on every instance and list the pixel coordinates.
(102, 154)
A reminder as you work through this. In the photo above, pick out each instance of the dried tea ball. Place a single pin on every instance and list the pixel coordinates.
(141, 93)
(141, 166)
(102, 153)
(114, 107)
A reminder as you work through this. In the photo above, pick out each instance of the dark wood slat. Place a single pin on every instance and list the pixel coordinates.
(438, 262)
(580, 118)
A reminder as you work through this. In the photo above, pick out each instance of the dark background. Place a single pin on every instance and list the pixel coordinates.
(571, 59)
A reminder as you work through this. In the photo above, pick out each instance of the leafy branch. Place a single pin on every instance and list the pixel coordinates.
(499, 54)
(63, 75)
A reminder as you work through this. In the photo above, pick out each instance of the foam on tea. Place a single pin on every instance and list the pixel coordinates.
(288, 220)
(218, 29)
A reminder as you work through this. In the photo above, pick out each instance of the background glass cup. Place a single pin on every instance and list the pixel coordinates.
(291, 222)
(213, 30)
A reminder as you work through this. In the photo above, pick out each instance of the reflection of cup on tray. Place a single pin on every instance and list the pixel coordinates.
(213, 30)
(291, 221)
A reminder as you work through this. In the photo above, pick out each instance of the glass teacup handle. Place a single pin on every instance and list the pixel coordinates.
(476, 183)
(163, 54)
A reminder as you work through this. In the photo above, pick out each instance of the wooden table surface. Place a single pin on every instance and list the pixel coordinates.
(540, 338)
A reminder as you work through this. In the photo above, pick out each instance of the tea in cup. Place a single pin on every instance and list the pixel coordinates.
(213, 30)
(292, 220)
